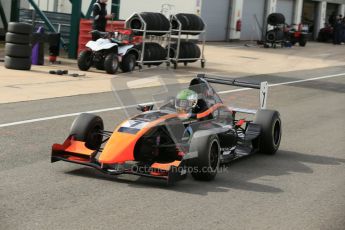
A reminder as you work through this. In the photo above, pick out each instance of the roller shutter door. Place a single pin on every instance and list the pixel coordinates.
(286, 7)
(252, 19)
(215, 15)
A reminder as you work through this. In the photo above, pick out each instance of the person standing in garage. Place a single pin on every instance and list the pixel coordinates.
(100, 17)
(337, 28)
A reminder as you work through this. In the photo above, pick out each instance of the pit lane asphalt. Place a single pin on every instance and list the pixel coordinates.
(302, 187)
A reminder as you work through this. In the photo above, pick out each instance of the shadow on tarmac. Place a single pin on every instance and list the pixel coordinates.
(237, 175)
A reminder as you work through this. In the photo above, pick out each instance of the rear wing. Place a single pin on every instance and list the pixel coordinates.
(262, 86)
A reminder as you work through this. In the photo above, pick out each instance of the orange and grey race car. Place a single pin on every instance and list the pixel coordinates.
(192, 133)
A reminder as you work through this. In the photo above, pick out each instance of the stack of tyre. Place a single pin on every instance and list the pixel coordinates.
(276, 34)
(18, 46)
(152, 52)
(188, 50)
(157, 25)
(191, 24)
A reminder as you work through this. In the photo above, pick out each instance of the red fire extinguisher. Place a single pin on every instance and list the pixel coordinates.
(238, 25)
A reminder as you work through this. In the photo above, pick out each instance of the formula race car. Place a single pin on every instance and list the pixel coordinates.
(194, 132)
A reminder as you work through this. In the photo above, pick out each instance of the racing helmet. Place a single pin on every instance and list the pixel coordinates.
(185, 101)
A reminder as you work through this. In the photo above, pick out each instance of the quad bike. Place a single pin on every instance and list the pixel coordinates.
(297, 35)
(112, 51)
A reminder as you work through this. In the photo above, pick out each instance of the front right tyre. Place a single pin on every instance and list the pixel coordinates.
(87, 128)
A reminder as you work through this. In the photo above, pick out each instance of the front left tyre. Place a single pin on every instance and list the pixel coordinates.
(205, 166)
(87, 128)
(85, 60)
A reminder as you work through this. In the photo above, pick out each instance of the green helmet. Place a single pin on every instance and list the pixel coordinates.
(186, 100)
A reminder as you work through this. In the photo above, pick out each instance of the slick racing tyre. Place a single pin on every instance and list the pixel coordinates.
(154, 22)
(271, 131)
(205, 165)
(87, 128)
(17, 63)
(85, 60)
(19, 28)
(23, 39)
(17, 50)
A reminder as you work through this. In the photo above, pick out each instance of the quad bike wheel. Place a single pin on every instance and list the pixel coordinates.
(128, 63)
(111, 63)
(271, 131)
(87, 127)
(85, 60)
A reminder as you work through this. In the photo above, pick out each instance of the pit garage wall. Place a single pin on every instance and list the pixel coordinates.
(7, 8)
(128, 7)
(245, 9)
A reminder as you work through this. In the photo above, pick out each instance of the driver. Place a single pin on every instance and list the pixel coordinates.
(186, 102)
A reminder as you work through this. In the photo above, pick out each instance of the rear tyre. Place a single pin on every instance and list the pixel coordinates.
(111, 63)
(87, 128)
(271, 131)
(85, 60)
(206, 165)
(128, 63)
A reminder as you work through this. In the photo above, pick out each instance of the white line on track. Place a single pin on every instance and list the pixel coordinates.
(132, 106)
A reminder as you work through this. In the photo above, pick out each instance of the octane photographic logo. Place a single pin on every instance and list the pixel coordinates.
(144, 169)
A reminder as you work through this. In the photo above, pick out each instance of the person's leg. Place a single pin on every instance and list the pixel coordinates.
(336, 37)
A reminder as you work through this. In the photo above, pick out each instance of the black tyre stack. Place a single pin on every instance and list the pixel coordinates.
(154, 22)
(153, 51)
(187, 50)
(189, 22)
(18, 46)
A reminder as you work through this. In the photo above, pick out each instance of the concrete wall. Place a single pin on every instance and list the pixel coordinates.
(236, 14)
(7, 8)
(320, 17)
(128, 7)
